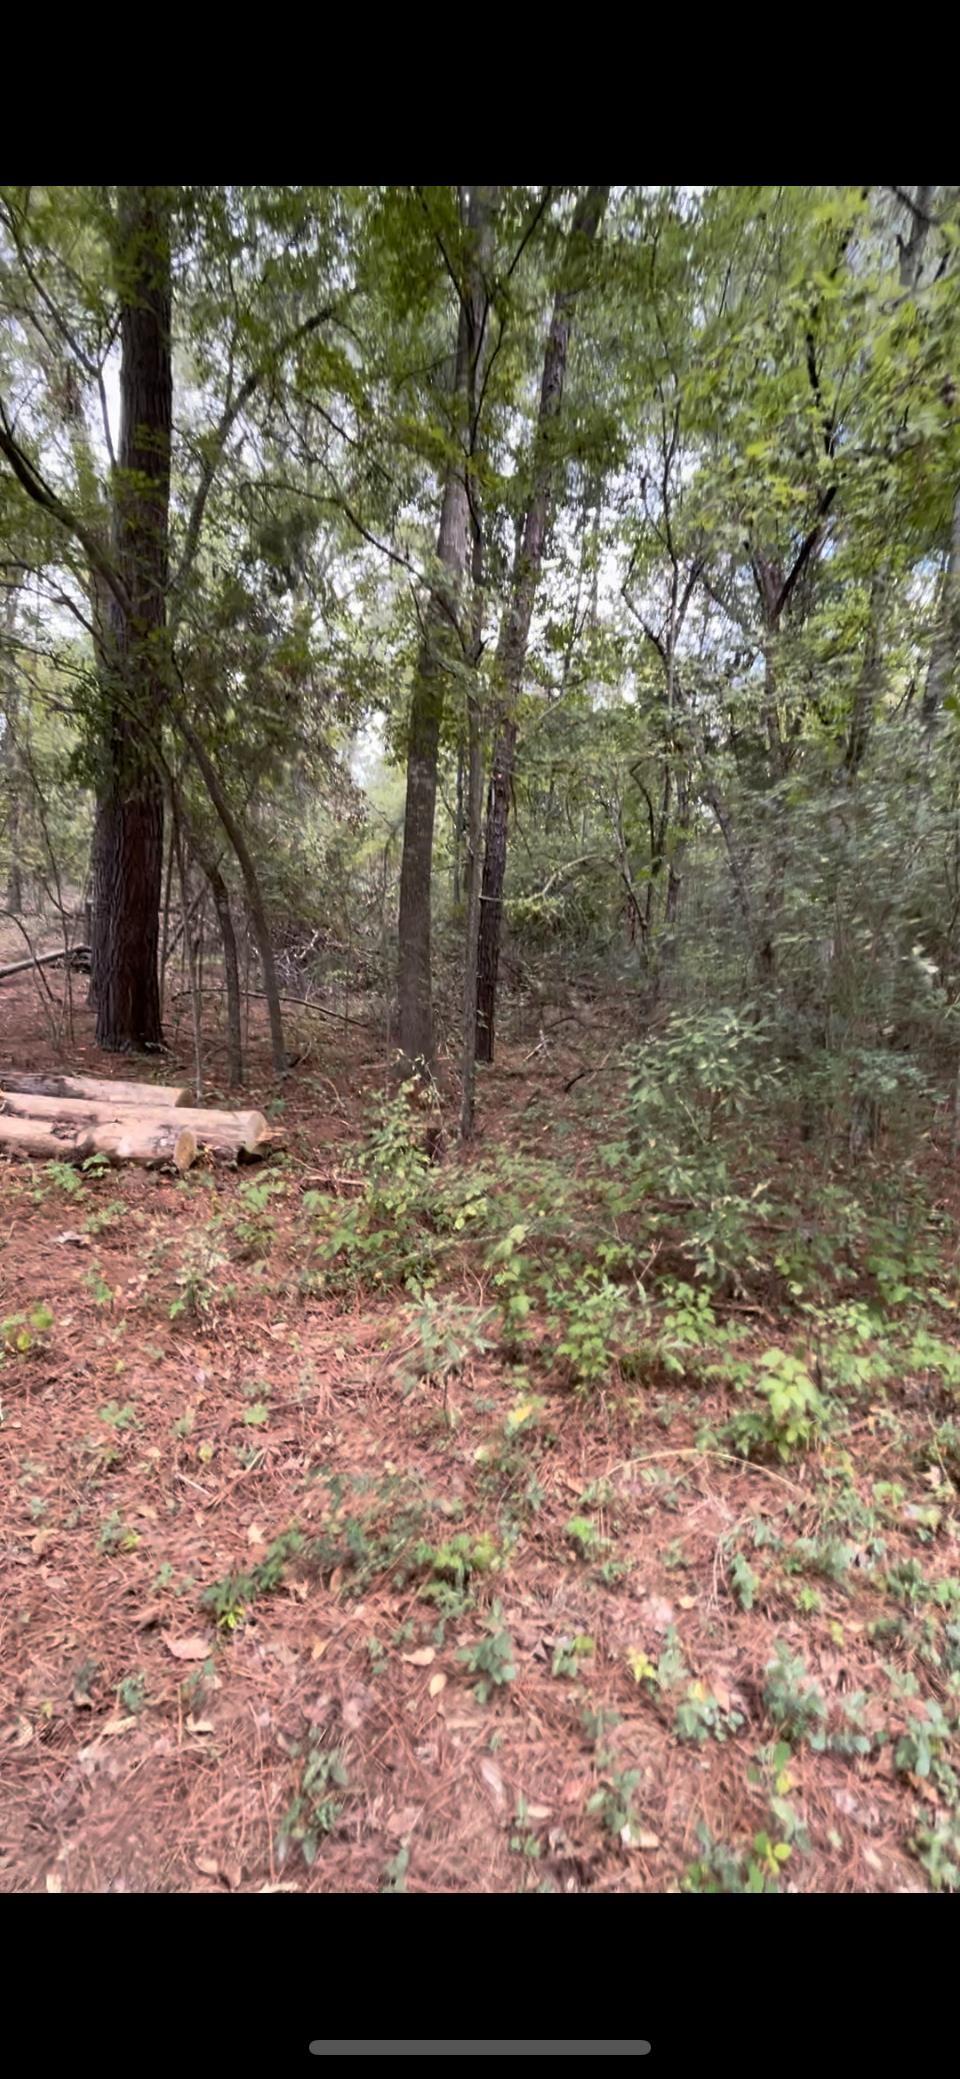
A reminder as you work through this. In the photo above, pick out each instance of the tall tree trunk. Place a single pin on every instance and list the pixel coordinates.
(474, 836)
(444, 642)
(129, 841)
(515, 628)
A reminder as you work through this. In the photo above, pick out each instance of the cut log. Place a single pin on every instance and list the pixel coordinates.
(131, 1139)
(75, 956)
(229, 1134)
(151, 1097)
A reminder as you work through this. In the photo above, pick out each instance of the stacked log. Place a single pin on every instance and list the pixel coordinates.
(150, 1141)
(151, 1097)
(73, 1117)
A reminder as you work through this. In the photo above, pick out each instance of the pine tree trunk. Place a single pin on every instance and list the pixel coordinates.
(128, 862)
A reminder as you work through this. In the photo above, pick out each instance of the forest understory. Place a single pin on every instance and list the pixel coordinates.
(344, 1551)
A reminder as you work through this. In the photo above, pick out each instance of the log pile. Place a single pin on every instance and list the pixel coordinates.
(69, 1118)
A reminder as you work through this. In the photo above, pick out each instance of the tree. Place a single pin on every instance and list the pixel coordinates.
(515, 626)
(445, 646)
(128, 835)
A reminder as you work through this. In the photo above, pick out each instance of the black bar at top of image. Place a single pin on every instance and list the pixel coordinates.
(522, 2047)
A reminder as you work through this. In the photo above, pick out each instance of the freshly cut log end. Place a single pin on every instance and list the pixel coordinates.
(149, 1142)
(228, 1133)
(150, 1097)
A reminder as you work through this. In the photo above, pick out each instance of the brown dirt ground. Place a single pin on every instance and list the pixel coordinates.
(111, 1529)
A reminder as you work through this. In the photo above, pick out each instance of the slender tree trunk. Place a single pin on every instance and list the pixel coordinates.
(459, 828)
(945, 647)
(867, 689)
(515, 628)
(231, 968)
(491, 893)
(190, 952)
(128, 851)
(444, 641)
(474, 836)
(255, 903)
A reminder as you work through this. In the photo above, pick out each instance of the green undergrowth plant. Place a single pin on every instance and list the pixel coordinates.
(490, 1658)
(25, 1333)
(791, 1414)
(317, 1803)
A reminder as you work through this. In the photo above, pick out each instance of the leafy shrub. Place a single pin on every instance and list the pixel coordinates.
(793, 1412)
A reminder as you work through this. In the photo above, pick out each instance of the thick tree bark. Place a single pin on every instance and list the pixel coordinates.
(515, 628)
(128, 845)
(445, 642)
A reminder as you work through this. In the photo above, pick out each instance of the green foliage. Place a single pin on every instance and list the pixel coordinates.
(316, 1806)
(491, 1657)
(743, 1580)
(699, 1717)
(25, 1332)
(722, 1869)
(792, 1700)
(792, 1415)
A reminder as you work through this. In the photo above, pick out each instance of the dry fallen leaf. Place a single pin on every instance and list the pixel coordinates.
(20, 1734)
(207, 1865)
(421, 1658)
(403, 1821)
(319, 1648)
(255, 1535)
(493, 1780)
(199, 1725)
(437, 1682)
(658, 1612)
(53, 1882)
(192, 1648)
(117, 1725)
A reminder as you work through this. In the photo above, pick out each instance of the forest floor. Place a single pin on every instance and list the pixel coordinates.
(614, 1590)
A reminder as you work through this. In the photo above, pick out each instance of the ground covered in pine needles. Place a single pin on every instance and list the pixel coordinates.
(311, 1583)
